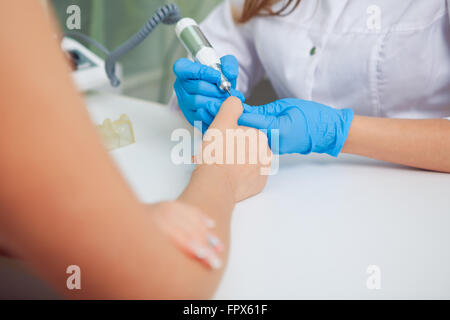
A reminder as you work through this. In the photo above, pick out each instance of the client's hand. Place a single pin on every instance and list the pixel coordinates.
(190, 230)
(228, 171)
(242, 153)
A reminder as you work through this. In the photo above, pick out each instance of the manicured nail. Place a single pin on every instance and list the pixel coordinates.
(215, 242)
(214, 262)
(210, 223)
(199, 251)
(206, 255)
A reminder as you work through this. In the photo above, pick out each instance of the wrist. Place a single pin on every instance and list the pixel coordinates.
(336, 133)
(218, 177)
(210, 189)
(352, 143)
(343, 124)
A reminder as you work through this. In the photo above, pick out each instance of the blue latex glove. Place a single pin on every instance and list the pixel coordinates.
(196, 87)
(304, 126)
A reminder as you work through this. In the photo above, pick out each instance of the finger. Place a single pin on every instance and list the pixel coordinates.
(202, 218)
(209, 223)
(228, 114)
(230, 68)
(190, 233)
(172, 227)
(237, 94)
(200, 126)
(255, 120)
(265, 109)
(204, 116)
(203, 88)
(181, 228)
(213, 107)
(205, 254)
(199, 250)
(208, 89)
(192, 101)
(187, 69)
(203, 225)
(265, 123)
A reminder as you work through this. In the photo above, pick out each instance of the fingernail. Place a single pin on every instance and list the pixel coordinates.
(214, 262)
(206, 255)
(215, 242)
(199, 251)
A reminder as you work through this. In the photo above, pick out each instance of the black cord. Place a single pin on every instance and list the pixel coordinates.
(168, 14)
(82, 36)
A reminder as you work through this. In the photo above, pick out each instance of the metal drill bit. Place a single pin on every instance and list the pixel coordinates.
(228, 92)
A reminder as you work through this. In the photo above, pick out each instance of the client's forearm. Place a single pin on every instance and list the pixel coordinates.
(418, 143)
(63, 200)
(210, 191)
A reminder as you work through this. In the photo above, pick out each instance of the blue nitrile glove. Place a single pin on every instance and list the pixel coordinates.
(196, 87)
(304, 126)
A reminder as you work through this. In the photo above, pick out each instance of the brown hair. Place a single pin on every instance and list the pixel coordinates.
(254, 8)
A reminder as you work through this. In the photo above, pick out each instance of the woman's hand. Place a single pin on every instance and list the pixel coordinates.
(59, 210)
(190, 230)
(216, 186)
(303, 126)
(196, 87)
(246, 176)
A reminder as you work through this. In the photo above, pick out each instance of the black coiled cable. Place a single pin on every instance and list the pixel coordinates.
(168, 14)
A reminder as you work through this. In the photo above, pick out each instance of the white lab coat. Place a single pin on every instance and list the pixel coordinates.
(385, 58)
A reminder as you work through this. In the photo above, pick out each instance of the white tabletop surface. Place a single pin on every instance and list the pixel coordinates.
(319, 223)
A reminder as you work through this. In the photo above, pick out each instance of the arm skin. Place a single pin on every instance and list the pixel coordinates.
(423, 144)
(62, 200)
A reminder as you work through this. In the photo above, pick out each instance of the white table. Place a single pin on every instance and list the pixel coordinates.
(319, 223)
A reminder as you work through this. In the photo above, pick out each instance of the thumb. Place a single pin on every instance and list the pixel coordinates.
(230, 68)
(258, 117)
(228, 114)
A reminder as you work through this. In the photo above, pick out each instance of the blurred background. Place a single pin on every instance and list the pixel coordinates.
(147, 70)
(147, 74)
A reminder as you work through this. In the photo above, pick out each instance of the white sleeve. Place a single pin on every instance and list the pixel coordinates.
(448, 9)
(229, 38)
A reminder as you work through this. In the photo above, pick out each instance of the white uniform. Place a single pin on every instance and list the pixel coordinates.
(385, 58)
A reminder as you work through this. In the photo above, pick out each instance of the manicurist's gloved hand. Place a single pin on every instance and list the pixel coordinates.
(196, 87)
(304, 126)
